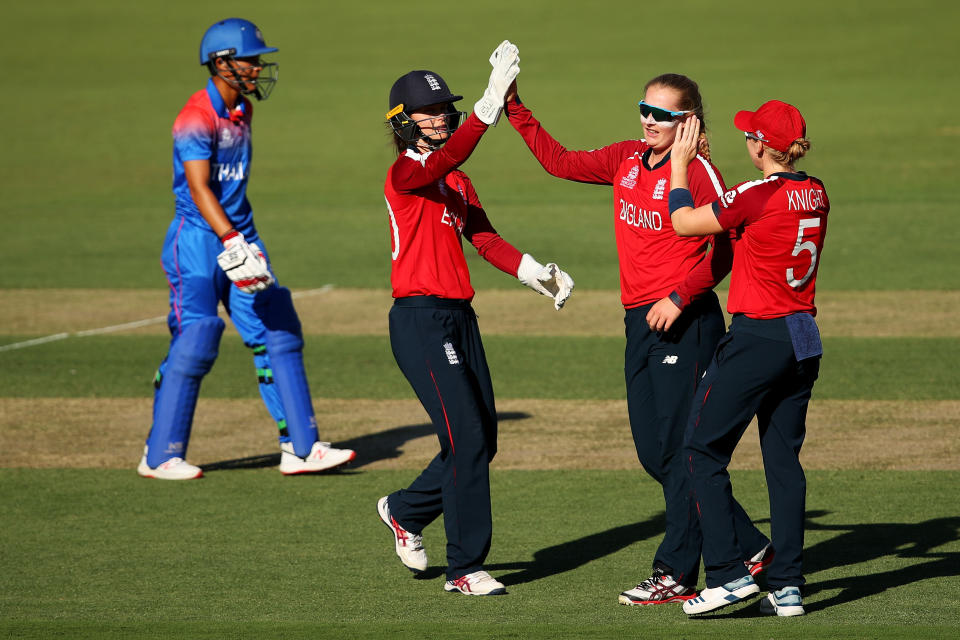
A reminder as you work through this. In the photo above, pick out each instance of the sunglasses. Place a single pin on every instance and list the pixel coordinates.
(750, 136)
(660, 115)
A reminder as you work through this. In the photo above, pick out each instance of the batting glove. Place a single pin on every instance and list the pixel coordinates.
(244, 263)
(547, 280)
(506, 65)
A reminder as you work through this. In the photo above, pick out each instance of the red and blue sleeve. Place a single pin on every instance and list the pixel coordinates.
(193, 135)
(706, 186)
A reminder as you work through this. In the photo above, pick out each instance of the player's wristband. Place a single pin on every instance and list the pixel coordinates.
(232, 233)
(679, 198)
(677, 299)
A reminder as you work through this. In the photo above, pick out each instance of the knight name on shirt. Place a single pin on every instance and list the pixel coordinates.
(805, 200)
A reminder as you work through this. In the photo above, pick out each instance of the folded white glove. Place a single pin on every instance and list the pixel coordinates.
(244, 264)
(506, 65)
(547, 280)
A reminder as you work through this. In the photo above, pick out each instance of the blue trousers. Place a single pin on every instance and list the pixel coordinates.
(754, 373)
(437, 345)
(662, 371)
(197, 286)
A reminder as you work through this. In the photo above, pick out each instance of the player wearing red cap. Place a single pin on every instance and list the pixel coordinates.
(768, 361)
(672, 317)
(433, 329)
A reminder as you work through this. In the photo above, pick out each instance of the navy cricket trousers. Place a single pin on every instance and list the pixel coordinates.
(437, 344)
(754, 372)
(662, 371)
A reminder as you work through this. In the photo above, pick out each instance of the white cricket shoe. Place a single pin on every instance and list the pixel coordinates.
(478, 583)
(660, 588)
(172, 469)
(321, 458)
(761, 560)
(717, 597)
(783, 602)
(409, 546)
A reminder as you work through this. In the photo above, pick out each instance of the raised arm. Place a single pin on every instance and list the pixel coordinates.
(593, 167)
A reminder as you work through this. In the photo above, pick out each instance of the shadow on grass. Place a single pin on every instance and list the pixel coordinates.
(862, 544)
(576, 553)
(385, 445)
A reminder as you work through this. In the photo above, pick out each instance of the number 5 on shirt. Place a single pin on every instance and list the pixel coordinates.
(809, 245)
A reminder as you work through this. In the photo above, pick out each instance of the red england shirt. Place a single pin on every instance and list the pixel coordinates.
(781, 223)
(654, 261)
(431, 205)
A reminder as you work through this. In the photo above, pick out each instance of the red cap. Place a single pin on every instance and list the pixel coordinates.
(777, 124)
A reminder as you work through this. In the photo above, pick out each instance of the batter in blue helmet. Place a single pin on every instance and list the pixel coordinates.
(213, 254)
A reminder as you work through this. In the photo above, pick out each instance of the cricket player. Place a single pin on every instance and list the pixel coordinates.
(672, 317)
(213, 254)
(768, 361)
(433, 329)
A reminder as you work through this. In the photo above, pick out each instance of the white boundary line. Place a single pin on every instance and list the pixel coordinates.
(129, 325)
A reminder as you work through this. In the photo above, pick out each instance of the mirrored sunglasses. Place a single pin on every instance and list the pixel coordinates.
(660, 115)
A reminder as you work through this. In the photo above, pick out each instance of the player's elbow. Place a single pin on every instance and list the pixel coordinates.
(681, 223)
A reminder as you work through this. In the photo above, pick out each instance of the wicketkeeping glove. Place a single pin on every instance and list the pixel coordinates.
(547, 280)
(506, 65)
(244, 264)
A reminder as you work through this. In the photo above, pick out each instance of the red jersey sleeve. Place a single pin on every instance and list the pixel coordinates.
(409, 174)
(593, 167)
(740, 205)
(706, 186)
(484, 237)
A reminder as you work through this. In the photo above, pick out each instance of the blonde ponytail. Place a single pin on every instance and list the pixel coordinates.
(798, 149)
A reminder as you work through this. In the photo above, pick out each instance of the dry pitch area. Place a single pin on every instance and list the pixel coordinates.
(534, 434)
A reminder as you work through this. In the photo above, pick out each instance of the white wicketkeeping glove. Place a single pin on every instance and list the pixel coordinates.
(506, 65)
(244, 264)
(546, 280)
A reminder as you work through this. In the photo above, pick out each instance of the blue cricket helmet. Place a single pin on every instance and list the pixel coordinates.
(233, 38)
(238, 38)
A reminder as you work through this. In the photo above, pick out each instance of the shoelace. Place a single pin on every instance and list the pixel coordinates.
(651, 582)
(412, 540)
(473, 578)
(416, 542)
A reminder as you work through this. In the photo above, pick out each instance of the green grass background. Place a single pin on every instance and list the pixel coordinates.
(85, 174)
(103, 552)
(363, 367)
(87, 143)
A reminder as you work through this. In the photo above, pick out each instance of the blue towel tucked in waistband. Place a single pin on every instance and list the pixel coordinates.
(805, 335)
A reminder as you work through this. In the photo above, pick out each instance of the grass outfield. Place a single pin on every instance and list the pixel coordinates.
(88, 159)
(85, 176)
(363, 367)
(247, 553)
